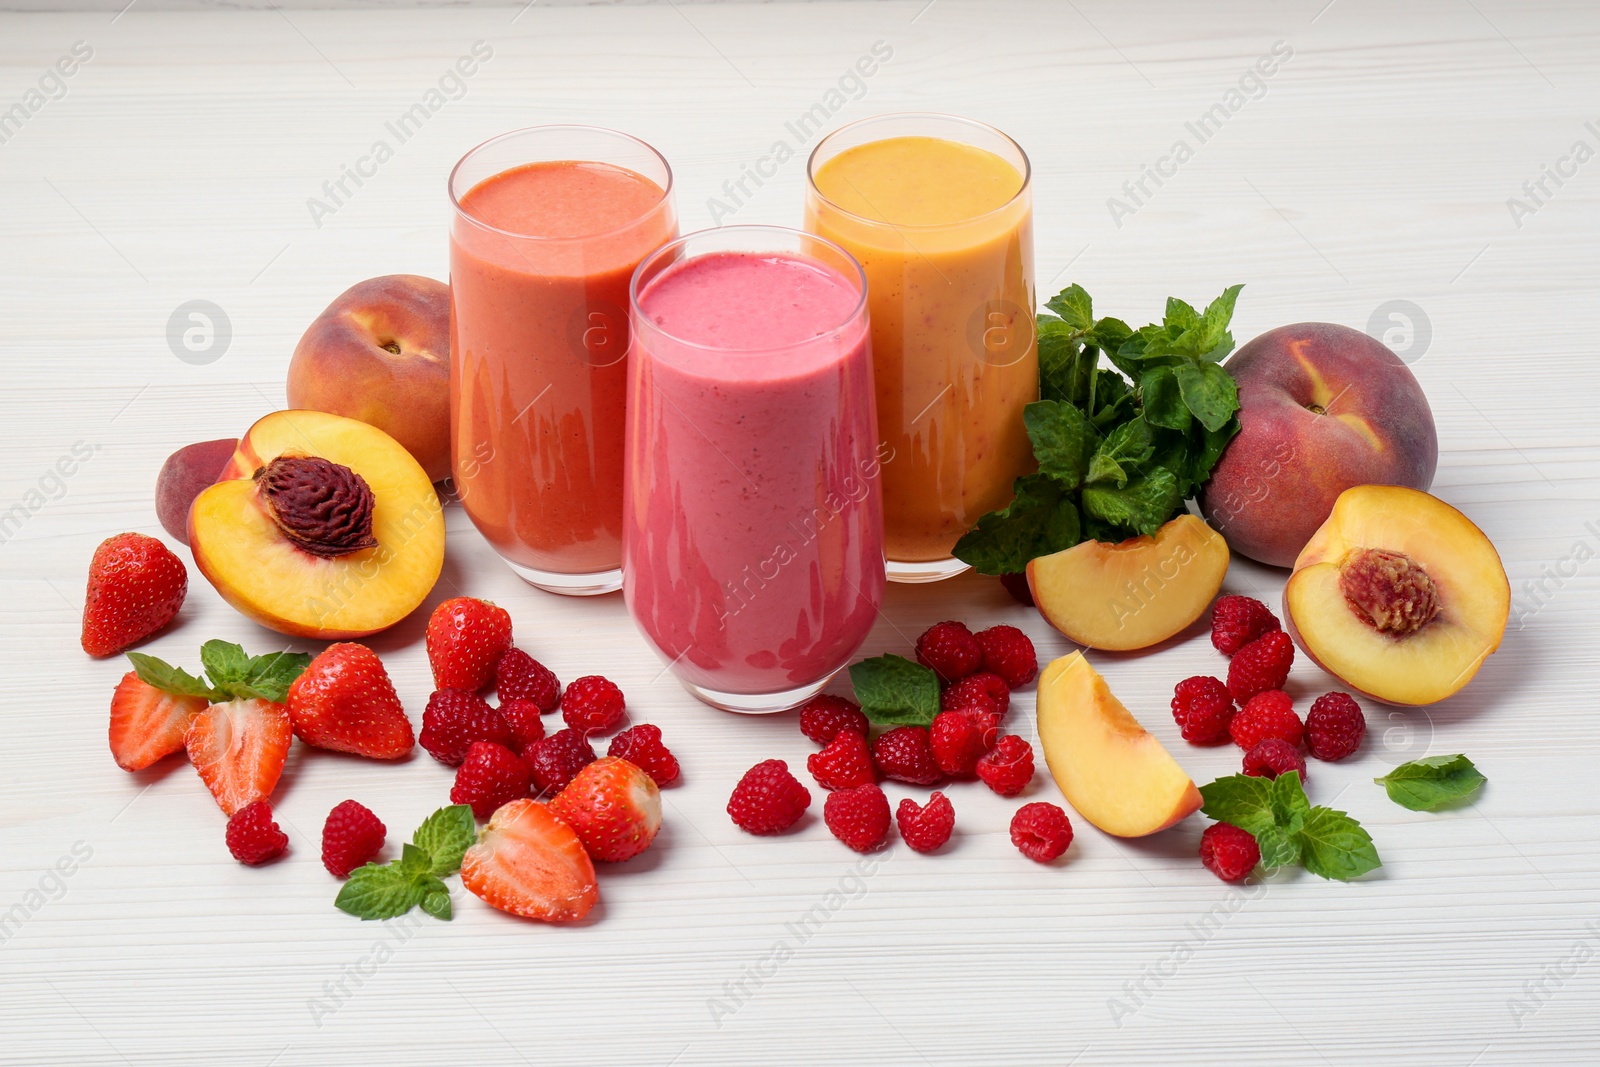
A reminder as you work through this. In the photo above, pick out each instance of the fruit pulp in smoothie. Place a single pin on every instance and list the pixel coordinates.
(752, 552)
(539, 271)
(947, 246)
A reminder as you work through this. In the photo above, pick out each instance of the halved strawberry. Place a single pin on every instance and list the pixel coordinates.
(239, 747)
(613, 806)
(344, 701)
(530, 863)
(148, 723)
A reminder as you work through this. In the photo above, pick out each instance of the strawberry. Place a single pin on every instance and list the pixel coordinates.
(466, 638)
(148, 723)
(239, 747)
(344, 701)
(530, 863)
(613, 806)
(136, 586)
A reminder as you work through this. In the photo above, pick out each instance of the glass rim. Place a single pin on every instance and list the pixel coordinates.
(811, 170)
(455, 200)
(678, 243)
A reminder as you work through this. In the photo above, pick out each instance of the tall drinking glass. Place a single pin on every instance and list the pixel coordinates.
(549, 225)
(939, 212)
(752, 522)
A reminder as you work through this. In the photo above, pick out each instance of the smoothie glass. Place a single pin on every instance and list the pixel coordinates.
(939, 212)
(549, 225)
(752, 518)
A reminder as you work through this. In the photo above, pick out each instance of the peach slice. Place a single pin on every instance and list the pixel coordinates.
(1110, 768)
(319, 526)
(1133, 594)
(1398, 595)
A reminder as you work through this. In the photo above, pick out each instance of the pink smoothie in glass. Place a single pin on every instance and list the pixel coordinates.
(752, 517)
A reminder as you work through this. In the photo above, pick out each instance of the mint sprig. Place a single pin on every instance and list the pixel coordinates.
(1431, 783)
(893, 691)
(1117, 455)
(1288, 829)
(388, 890)
(229, 673)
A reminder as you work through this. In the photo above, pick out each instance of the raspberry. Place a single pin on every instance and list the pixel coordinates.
(592, 705)
(351, 837)
(556, 760)
(1269, 714)
(1008, 653)
(253, 837)
(1334, 726)
(641, 746)
(1203, 709)
(768, 799)
(859, 817)
(985, 690)
(454, 719)
(844, 763)
(518, 676)
(1229, 852)
(927, 827)
(824, 715)
(1238, 620)
(1017, 586)
(490, 776)
(950, 650)
(957, 743)
(522, 717)
(1271, 757)
(1261, 665)
(1008, 767)
(1041, 831)
(906, 755)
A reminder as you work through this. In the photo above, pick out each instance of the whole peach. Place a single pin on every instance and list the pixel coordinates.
(1322, 407)
(380, 353)
(185, 473)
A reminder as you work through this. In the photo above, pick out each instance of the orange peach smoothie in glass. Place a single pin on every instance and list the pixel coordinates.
(938, 211)
(549, 224)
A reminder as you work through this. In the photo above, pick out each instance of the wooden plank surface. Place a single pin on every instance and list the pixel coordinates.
(1375, 165)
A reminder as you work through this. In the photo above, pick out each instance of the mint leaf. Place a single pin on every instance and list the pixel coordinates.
(379, 891)
(1066, 368)
(170, 679)
(894, 691)
(225, 663)
(436, 899)
(1290, 808)
(1122, 452)
(234, 674)
(1209, 392)
(1063, 440)
(1039, 520)
(1142, 505)
(445, 836)
(1214, 339)
(1279, 848)
(1333, 845)
(1163, 401)
(1180, 316)
(1431, 783)
(1241, 800)
(1074, 307)
(1113, 400)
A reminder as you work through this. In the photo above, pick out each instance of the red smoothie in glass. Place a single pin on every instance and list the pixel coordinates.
(753, 545)
(540, 259)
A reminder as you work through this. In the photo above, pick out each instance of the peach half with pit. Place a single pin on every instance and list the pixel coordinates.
(320, 526)
(1131, 594)
(1398, 595)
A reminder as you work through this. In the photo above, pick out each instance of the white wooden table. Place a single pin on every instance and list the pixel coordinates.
(1375, 165)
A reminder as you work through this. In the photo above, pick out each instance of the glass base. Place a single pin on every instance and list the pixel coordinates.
(591, 584)
(756, 703)
(936, 570)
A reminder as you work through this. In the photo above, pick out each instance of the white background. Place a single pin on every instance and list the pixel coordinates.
(1376, 166)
